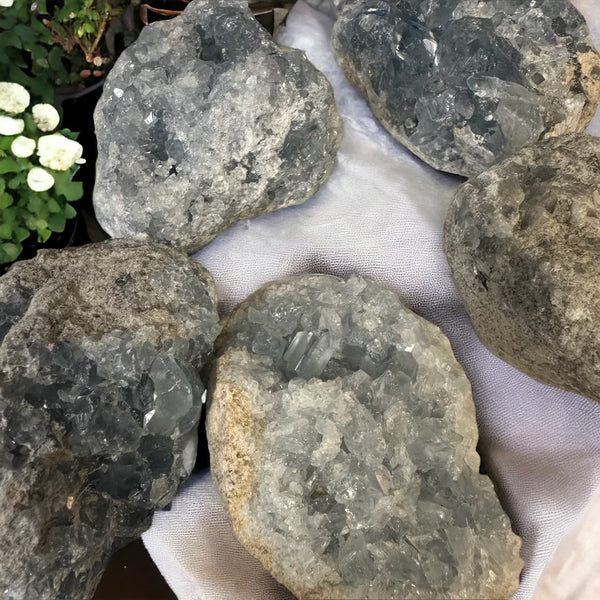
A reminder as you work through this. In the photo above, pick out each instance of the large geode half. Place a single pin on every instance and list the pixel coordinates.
(205, 121)
(464, 83)
(523, 242)
(342, 436)
(99, 405)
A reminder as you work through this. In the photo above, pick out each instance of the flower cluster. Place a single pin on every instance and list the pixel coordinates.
(37, 164)
(54, 151)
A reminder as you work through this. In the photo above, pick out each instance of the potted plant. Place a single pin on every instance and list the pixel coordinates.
(62, 47)
(37, 164)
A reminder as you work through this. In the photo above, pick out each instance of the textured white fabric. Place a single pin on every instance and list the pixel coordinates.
(381, 215)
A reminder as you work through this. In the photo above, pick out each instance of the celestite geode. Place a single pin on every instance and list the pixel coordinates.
(100, 398)
(206, 121)
(342, 436)
(523, 242)
(464, 83)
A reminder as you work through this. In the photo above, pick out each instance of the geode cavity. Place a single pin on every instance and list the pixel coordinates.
(464, 83)
(342, 435)
(100, 398)
(523, 242)
(205, 121)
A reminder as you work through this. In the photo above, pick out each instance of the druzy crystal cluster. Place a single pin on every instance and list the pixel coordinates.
(465, 83)
(100, 398)
(342, 435)
(218, 125)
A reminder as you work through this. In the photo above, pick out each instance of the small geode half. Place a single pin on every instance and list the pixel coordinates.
(206, 121)
(100, 398)
(342, 436)
(465, 83)
(523, 242)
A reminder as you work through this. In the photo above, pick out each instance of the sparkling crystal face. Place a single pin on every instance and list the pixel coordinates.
(343, 437)
(464, 83)
(100, 399)
(218, 125)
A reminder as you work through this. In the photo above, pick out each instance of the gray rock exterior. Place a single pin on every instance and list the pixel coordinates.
(523, 242)
(100, 398)
(464, 83)
(205, 121)
(342, 436)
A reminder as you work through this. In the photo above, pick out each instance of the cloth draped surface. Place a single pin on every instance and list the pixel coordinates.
(380, 215)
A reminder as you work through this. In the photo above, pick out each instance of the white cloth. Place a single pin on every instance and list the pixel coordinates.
(381, 215)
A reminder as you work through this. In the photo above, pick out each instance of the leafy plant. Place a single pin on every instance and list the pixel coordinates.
(27, 53)
(49, 44)
(36, 171)
(79, 25)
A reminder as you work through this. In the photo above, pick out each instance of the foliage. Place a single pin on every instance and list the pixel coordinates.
(48, 44)
(80, 25)
(27, 53)
(24, 211)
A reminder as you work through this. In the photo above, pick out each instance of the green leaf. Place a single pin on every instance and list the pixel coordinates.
(5, 200)
(9, 39)
(54, 206)
(21, 233)
(9, 252)
(9, 165)
(55, 57)
(56, 222)
(26, 35)
(6, 231)
(43, 235)
(17, 181)
(9, 215)
(38, 52)
(34, 204)
(71, 190)
(35, 224)
(69, 211)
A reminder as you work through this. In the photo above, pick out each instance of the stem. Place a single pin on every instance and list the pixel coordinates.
(101, 29)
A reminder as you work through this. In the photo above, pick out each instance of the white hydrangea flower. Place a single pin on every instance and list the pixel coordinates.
(14, 98)
(58, 152)
(22, 146)
(39, 180)
(45, 116)
(11, 126)
(6, 3)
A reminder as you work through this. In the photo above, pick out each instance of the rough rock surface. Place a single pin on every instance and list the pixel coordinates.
(464, 83)
(205, 121)
(523, 242)
(342, 436)
(99, 406)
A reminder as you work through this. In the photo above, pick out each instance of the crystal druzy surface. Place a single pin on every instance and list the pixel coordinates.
(99, 406)
(342, 435)
(464, 83)
(523, 242)
(205, 121)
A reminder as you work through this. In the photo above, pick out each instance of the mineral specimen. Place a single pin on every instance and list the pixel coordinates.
(464, 83)
(342, 436)
(523, 242)
(205, 121)
(99, 406)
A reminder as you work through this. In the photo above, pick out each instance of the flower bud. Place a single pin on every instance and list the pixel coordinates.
(58, 152)
(14, 98)
(45, 116)
(39, 180)
(10, 126)
(22, 146)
